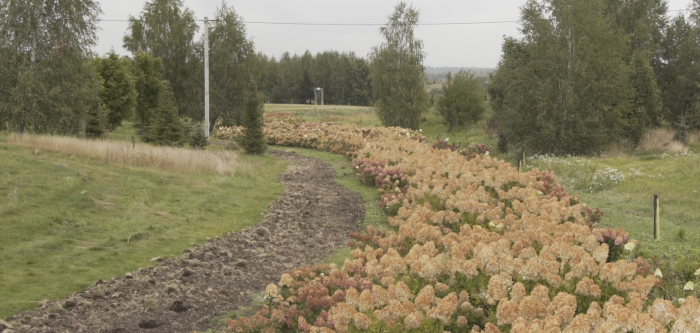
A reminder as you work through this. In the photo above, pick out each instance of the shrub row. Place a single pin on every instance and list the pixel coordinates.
(473, 245)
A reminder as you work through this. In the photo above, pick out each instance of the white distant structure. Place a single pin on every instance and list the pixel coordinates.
(318, 96)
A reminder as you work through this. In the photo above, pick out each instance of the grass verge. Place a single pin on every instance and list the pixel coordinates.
(67, 221)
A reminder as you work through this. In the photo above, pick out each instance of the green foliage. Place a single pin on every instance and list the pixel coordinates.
(563, 87)
(198, 140)
(47, 84)
(118, 91)
(253, 139)
(682, 131)
(463, 100)
(397, 71)
(646, 104)
(679, 70)
(167, 129)
(232, 60)
(166, 29)
(686, 265)
(96, 122)
(293, 78)
(147, 71)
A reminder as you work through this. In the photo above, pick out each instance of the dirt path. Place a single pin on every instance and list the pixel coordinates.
(312, 219)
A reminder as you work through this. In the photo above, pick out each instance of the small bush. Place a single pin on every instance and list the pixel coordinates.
(682, 130)
(198, 140)
(681, 235)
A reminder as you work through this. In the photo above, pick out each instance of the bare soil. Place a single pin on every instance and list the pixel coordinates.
(310, 221)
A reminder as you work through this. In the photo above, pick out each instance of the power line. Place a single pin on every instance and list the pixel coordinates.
(367, 24)
(345, 24)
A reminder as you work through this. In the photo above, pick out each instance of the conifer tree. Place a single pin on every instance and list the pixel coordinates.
(96, 123)
(253, 140)
(197, 139)
(167, 128)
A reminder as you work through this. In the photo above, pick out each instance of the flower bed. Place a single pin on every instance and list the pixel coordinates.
(474, 245)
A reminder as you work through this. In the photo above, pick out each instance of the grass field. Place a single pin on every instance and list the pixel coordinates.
(67, 221)
(624, 189)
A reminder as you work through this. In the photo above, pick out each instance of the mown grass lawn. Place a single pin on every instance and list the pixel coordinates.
(66, 222)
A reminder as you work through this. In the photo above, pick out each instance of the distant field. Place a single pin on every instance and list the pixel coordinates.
(359, 115)
(67, 221)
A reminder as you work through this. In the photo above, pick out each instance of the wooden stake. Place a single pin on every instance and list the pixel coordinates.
(657, 221)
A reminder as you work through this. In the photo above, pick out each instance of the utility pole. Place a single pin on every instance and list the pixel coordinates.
(206, 78)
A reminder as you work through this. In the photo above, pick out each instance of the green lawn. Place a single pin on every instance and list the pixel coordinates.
(629, 202)
(66, 221)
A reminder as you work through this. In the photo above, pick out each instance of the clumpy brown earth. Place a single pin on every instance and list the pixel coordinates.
(311, 220)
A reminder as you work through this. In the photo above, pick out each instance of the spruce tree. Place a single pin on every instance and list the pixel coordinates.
(197, 139)
(96, 123)
(253, 140)
(167, 128)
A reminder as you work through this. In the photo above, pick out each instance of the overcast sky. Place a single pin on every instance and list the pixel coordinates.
(477, 45)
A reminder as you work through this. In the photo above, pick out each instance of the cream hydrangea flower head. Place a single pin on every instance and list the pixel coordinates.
(658, 273)
(690, 286)
(697, 273)
(630, 246)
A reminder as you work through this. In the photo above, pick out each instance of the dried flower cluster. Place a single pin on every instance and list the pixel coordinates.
(474, 245)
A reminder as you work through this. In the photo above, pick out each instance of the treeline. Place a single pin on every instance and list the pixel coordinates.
(53, 83)
(588, 73)
(344, 78)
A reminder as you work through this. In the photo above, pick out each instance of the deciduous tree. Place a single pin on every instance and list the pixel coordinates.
(147, 71)
(118, 91)
(397, 71)
(563, 87)
(166, 29)
(463, 100)
(232, 61)
(47, 83)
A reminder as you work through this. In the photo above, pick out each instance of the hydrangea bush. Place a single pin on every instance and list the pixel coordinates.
(474, 245)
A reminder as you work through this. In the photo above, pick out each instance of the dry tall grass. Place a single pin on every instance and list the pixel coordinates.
(140, 155)
(660, 140)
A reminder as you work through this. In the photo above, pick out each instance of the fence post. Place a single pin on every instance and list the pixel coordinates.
(657, 222)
